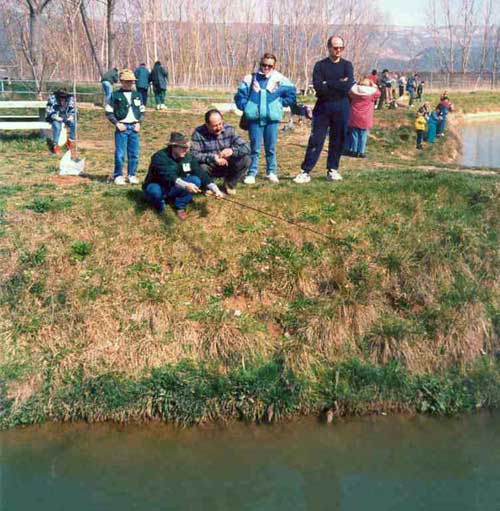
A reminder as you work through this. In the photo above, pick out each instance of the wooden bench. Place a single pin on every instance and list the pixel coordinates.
(24, 122)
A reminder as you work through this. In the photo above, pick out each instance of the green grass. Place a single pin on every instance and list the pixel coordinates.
(109, 311)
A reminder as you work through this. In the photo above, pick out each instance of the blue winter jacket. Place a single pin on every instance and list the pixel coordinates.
(262, 98)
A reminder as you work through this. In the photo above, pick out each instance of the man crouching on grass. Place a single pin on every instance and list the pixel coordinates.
(175, 174)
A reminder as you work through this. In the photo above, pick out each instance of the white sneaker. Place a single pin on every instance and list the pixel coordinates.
(157, 107)
(302, 178)
(273, 178)
(120, 180)
(249, 180)
(133, 180)
(333, 175)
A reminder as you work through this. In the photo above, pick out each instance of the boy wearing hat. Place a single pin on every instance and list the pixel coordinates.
(60, 111)
(126, 111)
(175, 174)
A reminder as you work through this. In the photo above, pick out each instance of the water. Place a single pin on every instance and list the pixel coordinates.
(384, 463)
(481, 144)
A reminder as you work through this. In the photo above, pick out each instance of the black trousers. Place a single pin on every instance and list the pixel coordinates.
(233, 173)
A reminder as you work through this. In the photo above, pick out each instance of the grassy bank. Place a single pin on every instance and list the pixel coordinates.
(109, 311)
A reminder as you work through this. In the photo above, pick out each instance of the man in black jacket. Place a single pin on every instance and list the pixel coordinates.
(175, 174)
(332, 79)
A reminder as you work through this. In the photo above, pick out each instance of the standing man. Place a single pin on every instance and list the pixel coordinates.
(107, 81)
(159, 78)
(332, 78)
(220, 151)
(142, 83)
(126, 111)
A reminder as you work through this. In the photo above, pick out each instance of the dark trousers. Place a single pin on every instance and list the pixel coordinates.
(333, 116)
(420, 138)
(144, 95)
(401, 90)
(383, 97)
(233, 173)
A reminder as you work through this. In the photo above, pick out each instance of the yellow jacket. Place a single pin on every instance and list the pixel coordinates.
(420, 123)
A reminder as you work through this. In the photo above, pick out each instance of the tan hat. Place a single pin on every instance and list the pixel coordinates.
(127, 75)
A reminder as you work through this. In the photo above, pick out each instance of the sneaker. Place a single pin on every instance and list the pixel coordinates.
(230, 190)
(56, 149)
(133, 180)
(119, 180)
(302, 178)
(273, 178)
(249, 180)
(157, 107)
(181, 214)
(333, 175)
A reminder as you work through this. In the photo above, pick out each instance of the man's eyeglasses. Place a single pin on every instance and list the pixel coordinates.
(270, 66)
(338, 47)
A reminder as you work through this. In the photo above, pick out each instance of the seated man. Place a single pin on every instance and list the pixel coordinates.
(221, 151)
(61, 111)
(174, 174)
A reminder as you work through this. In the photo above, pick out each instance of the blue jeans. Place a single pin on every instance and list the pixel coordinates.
(57, 127)
(357, 140)
(126, 143)
(332, 116)
(156, 194)
(269, 133)
(107, 88)
(441, 126)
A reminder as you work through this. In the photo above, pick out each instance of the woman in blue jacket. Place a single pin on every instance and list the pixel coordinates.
(261, 96)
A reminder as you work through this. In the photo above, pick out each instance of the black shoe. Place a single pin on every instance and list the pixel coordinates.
(361, 155)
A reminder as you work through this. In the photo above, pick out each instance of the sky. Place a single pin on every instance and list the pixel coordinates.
(404, 12)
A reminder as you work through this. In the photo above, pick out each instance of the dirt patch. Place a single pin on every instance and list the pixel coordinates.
(67, 180)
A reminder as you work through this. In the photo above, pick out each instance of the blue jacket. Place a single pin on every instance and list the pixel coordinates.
(262, 98)
(142, 75)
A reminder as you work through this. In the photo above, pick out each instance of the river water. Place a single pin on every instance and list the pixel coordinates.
(382, 463)
(481, 144)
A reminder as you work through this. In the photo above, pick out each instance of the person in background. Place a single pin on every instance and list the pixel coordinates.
(126, 112)
(159, 78)
(373, 77)
(402, 85)
(420, 126)
(142, 83)
(60, 112)
(107, 81)
(420, 91)
(384, 85)
(220, 151)
(432, 123)
(333, 78)
(363, 99)
(175, 174)
(261, 97)
(411, 88)
(444, 106)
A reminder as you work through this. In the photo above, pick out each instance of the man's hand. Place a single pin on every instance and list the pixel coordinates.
(215, 190)
(221, 162)
(137, 127)
(57, 118)
(226, 153)
(192, 188)
(120, 126)
(70, 119)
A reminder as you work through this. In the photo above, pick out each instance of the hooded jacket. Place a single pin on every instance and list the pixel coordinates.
(262, 98)
(363, 99)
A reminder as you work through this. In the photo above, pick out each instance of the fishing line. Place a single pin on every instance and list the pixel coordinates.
(280, 218)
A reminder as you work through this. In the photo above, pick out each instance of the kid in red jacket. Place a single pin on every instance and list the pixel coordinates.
(363, 99)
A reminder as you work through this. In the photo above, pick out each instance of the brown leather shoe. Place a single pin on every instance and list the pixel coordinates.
(181, 214)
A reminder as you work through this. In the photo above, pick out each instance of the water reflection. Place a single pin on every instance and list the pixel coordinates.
(376, 464)
(481, 144)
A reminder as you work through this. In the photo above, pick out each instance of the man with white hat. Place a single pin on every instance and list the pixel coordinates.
(126, 111)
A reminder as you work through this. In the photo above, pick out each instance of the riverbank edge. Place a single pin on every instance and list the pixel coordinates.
(187, 394)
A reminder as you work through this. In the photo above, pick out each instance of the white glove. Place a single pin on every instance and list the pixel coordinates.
(215, 189)
(190, 187)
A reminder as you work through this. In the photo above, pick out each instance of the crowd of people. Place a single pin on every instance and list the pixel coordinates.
(187, 165)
